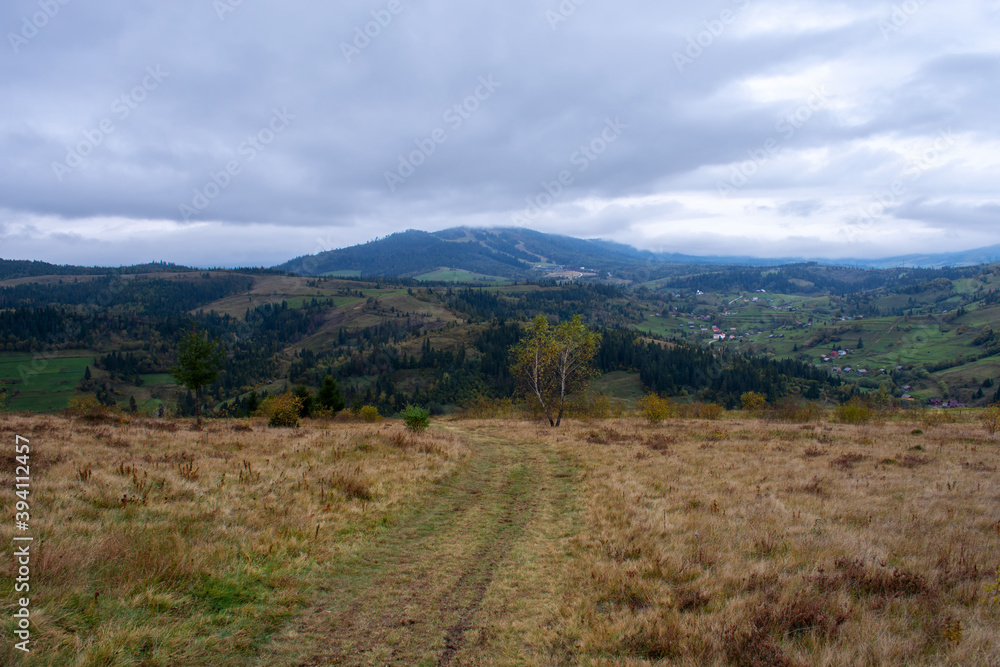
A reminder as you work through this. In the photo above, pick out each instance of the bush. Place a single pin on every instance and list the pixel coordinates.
(282, 410)
(655, 409)
(753, 401)
(991, 418)
(855, 411)
(483, 407)
(789, 410)
(86, 406)
(369, 413)
(416, 419)
(594, 406)
(306, 401)
(710, 411)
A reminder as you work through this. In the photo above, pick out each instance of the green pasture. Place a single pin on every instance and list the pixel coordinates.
(41, 385)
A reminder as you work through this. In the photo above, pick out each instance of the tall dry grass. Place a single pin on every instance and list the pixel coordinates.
(749, 542)
(160, 545)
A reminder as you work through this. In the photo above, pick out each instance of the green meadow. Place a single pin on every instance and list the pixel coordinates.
(43, 385)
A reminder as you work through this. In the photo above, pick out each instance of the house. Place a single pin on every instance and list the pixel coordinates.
(936, 402)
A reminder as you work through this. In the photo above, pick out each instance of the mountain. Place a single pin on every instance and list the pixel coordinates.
(515, 252)
(497, 252)
(502, 252)
(975, 257)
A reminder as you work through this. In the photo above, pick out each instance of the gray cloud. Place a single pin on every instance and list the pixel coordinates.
(80, 84)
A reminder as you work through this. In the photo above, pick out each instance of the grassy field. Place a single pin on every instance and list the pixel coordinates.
(457, 276)
(42, 385)
(157, 379)
(613, 542)
(619, 384)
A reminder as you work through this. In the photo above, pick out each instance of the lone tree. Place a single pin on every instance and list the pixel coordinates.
(329, 396)
(199, 361)
(552, 363)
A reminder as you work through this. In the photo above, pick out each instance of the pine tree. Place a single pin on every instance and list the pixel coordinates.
(199, 361)
(329, 395)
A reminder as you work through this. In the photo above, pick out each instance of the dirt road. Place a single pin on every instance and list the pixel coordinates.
(471, 577)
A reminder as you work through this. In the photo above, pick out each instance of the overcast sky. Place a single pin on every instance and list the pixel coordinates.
(236, 132)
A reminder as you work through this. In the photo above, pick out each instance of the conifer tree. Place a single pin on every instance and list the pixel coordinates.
(199, 361)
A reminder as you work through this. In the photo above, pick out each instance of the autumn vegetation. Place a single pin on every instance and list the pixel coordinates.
(732, 537)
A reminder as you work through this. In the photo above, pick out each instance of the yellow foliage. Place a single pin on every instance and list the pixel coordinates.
(753, 401)
(655, 409)
(281, 410)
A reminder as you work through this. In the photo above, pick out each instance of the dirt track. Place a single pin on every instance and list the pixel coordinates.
(415, 595)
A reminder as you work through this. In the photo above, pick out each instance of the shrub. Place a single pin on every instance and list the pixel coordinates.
(788, 410)
(655, 409)
(306, 400)
(282, 410)
(855, 411)
(594, 406)
(369, 413)
(991, 418)
(483, 407)
(416, 419)
(710, 411)
(995, 588)
(753, 401)
(86, 406)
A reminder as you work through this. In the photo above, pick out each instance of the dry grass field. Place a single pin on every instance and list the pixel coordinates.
(502, 542)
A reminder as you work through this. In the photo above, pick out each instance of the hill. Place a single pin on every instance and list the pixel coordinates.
(517, 253)
(920, 334)
(488, 253)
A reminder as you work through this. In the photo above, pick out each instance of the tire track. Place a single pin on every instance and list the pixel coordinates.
(413, 597)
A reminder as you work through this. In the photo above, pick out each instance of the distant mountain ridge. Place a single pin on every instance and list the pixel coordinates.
(515, 252)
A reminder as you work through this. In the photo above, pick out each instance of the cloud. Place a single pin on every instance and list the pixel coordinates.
(130, 111)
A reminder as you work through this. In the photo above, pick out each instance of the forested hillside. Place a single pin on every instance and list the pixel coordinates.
(697, 333)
